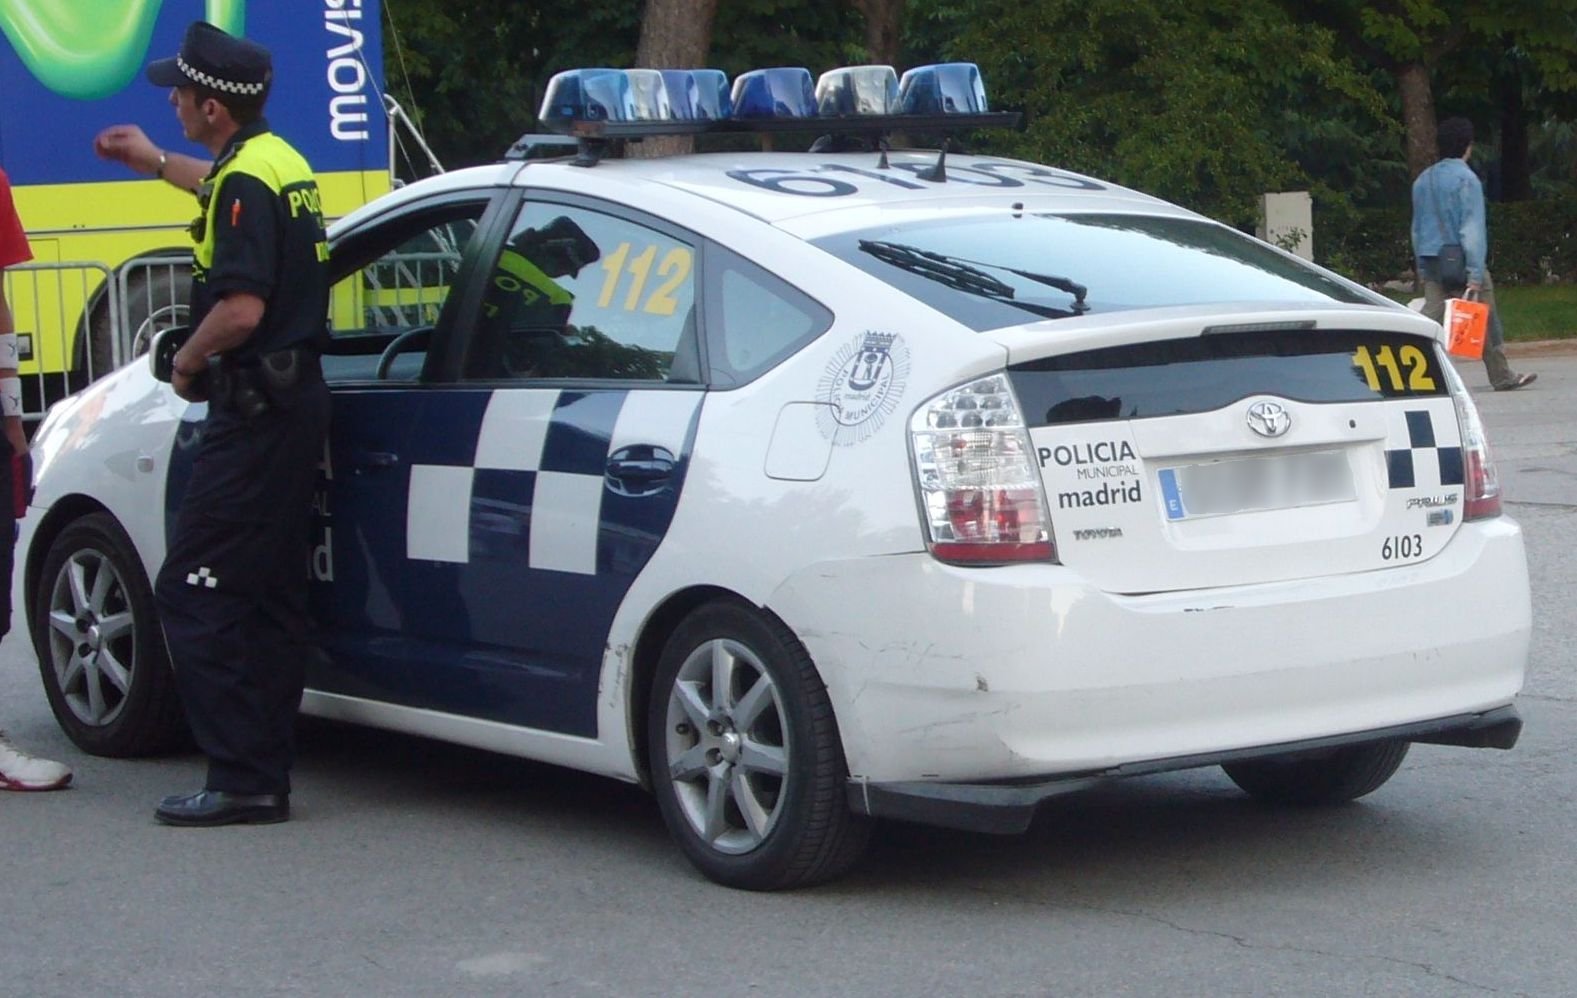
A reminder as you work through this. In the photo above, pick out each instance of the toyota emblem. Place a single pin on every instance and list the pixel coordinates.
(1269, 419)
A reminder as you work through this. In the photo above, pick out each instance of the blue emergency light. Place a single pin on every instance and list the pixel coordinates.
(945, 88)
(588, 95)
(597, 106)
(781, 92)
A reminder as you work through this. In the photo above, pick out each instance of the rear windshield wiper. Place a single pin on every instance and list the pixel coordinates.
(966, 275)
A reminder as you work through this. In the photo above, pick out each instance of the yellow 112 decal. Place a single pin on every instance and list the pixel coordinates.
(1401, 370)
(671, 271)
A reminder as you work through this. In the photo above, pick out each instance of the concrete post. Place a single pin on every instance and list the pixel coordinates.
(1287, 220)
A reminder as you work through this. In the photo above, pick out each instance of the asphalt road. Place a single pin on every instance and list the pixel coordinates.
(414, 868)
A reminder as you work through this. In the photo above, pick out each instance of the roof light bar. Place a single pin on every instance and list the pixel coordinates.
(781, 92)
(858, 90)
(587, 95)
(648, 95)
(944, 88)
(603, 104)
(698, 94)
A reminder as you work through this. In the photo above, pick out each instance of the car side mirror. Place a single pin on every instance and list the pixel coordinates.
(161, 354)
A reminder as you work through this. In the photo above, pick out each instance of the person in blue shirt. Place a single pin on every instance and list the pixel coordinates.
(1448, 207)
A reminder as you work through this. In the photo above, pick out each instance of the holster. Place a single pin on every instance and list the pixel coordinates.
(250, 387)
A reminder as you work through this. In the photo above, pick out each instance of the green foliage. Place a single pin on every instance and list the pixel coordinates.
(1371, 245)
(1537, 311)
(817, 34)
(472, 73)
(1543, 33)
(1348, 153)
(1530, 242)
(1529, 311)
(1533, 241)
(1186, 101)
(1209, 104)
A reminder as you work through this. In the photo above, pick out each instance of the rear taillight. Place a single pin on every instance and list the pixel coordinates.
(980, 493)
(1481, 485)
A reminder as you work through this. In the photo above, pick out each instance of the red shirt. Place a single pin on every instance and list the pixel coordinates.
(13, 242)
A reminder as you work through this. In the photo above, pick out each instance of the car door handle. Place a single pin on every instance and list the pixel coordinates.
(373, 460)
(640, 469)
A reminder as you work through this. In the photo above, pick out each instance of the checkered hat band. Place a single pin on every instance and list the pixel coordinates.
(214, 83)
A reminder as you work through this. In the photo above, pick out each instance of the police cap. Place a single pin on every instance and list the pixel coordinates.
(213, 59)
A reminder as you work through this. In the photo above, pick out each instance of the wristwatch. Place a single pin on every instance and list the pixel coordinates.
(163, 158)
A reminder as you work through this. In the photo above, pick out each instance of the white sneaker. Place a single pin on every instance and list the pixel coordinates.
(20, 771)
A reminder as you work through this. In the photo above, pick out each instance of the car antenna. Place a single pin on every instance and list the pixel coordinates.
(936, 172)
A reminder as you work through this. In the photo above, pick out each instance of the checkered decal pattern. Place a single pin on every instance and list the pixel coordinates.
(543, 453)
(1414, 457)
(215, 83)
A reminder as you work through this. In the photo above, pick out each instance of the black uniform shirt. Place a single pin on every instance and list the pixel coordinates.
(265, 241)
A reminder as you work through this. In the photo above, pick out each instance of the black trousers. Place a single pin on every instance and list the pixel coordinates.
(232, 592)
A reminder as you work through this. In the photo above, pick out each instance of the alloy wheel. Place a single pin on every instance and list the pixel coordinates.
(92, 637)
(727, 746)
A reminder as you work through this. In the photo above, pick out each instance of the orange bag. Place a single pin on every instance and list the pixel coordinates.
(1466, 322)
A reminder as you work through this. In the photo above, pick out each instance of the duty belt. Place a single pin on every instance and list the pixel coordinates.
(251, 387)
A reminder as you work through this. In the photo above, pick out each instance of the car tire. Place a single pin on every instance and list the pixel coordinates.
(1329, 777)
(746, 761)
(100, 648)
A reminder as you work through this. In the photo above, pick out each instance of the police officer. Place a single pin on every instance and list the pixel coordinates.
(232, 591)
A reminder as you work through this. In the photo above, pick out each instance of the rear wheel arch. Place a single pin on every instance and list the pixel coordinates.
(659, 627)
(756, 796)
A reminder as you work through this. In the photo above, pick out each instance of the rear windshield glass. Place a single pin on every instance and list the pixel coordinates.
(990, 271)
(1199, 374)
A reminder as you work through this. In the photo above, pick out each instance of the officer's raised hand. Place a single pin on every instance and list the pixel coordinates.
(130, 145)
(127, 144)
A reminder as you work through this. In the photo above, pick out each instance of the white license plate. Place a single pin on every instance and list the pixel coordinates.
(1241, 485)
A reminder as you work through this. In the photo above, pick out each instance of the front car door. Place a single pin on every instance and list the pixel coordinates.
(489, 515)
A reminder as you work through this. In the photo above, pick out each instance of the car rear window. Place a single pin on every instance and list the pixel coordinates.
(1123, 262)
(1199, 374)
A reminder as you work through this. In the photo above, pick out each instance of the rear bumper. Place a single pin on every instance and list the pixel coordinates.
(940, 674)
(1007, 808)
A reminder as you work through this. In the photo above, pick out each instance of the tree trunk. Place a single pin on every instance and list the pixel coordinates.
(883, 29)
(675, 34)
(1516, 182)
(1418, 116)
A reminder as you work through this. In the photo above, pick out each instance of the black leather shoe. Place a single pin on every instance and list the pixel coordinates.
(215, 807)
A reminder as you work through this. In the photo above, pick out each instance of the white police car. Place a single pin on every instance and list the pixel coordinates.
(816, 486)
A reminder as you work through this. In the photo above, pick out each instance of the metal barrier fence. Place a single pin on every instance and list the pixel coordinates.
(155, 294)
(48, 302)
(77, 321)
(397, 291)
